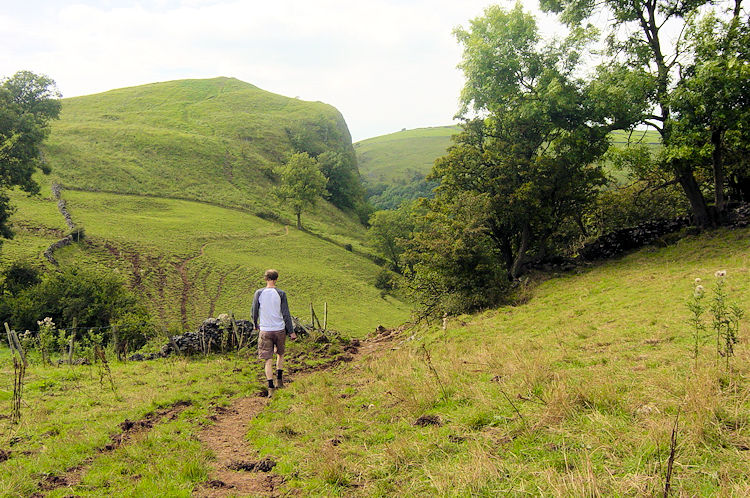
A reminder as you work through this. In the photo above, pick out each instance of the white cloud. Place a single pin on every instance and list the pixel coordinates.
(384, 64)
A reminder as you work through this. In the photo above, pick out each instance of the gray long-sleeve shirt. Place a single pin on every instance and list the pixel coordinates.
(273, 314)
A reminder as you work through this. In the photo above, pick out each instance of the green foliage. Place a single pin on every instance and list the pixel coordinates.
(690, 85)
(711, 104)
(94, 299)
(452, 259)
(28, 102)
(302, 183)
(389, 232)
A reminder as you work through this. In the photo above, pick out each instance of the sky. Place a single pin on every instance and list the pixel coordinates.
(385, 64)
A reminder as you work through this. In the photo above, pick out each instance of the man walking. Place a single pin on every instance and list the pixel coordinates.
(272, 319)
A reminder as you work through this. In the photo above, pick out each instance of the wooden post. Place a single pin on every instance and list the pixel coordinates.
(325, 316)
(312, 316)
(19, 348)
(14, 343)
(10, 338)
(116, 340)
(72, 341)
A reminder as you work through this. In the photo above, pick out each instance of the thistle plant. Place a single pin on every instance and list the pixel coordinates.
(725, 318)
(697, 308)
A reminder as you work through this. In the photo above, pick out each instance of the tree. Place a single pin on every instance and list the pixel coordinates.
(388, 233)
(28, 102)
(534, 155)
(344, 185)
(302, 183)
(648, 39)
(712, 103)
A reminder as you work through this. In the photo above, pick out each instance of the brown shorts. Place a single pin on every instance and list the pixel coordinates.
(268, 340)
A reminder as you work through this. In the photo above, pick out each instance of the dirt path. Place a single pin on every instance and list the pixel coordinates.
(236, 470)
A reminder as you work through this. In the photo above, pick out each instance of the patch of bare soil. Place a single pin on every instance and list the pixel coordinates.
(129, 430)
(235, 470)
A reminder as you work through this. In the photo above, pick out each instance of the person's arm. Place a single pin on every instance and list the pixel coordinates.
(288, 324)
(256, 309)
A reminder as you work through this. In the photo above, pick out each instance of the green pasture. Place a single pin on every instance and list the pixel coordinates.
(70, 412)
(398, 157)
(214, 140)
(401, 155)
(574, 393)
(211, 259)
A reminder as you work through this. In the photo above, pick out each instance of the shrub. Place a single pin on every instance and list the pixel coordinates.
(94, 299)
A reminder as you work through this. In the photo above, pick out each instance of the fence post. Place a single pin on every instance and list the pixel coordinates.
(10, 338)
(325, 316)
(72, 341)
(14, 343)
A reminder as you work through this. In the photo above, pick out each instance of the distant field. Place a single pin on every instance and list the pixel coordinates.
(193, 260)
(399, 155)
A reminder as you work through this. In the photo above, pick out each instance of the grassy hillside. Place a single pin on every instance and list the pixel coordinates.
(214, 140)
(401, 155)
(573, 394)
(393, 166)
(191, 260)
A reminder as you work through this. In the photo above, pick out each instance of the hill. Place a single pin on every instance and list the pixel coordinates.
(574, 393)
(402, 155)
(171, 182)
(213, 140)
(192, 260)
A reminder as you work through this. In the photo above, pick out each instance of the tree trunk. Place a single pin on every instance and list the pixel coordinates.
(718, 167)
(522, 247)
(692, 191)
(299, 221)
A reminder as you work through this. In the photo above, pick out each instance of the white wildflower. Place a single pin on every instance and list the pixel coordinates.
(720, 274)
(699, 290)
(698, 281)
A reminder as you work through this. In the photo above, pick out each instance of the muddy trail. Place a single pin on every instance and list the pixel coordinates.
(237, 470)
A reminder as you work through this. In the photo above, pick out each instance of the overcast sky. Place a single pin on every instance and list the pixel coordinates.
(385, 64)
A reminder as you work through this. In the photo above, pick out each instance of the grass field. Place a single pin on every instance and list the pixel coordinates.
(214, 140)
(574, 393)
(191, 260)
(397, 156)
(400, 156)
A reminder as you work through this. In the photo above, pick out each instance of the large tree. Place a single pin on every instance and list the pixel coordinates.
(711, 122)
(27, 104)
(648, 38)
(534, 154)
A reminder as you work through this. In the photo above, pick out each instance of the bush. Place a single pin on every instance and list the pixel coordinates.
(93, 299)
(384, 280)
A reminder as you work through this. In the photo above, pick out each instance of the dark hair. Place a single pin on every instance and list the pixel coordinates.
(271, 275)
